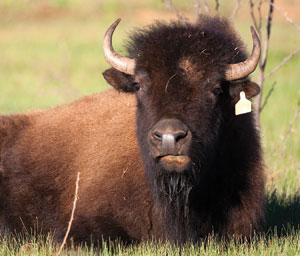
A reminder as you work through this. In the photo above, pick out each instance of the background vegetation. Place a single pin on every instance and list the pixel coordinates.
(50, 53)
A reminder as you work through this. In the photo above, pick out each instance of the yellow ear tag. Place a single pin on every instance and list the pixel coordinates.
(243, 106)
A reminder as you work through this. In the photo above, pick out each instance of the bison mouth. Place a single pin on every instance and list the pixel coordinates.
(175, 163)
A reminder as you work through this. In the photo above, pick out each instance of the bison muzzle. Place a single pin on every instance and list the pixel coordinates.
(169, 142)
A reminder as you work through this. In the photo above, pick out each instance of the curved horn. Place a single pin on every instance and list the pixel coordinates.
(244, 68)
(123, 64)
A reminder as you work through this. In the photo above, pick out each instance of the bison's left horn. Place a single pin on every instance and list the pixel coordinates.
(123, 64)
(242, 69)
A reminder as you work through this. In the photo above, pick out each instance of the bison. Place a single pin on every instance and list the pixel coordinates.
(161, 156)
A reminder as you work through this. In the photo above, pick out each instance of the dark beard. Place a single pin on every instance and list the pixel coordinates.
(171, 191)
(174, 189)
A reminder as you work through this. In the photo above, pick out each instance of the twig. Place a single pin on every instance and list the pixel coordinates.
(280, 156)
(217, 6)
(261, 76)
(262, 64)
(203, 3)
(171, 6)
(253, 16)
(285, 60)
(284, 139)
(198, 8)
(235, 10)
(206, 8)
(266, 45)
(284, 14)
(267, 97)
(288, 132)
(259, 13)
(72, 216)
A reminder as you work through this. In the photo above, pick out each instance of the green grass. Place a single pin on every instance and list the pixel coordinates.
(50, 53)
(270, 244)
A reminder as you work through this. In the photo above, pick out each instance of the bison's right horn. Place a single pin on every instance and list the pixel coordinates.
(242, 69)
(123, 64)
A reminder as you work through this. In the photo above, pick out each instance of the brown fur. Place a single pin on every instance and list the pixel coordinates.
(42, 152)
(124, 191)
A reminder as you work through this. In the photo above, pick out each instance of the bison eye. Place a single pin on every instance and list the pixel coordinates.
(136, 86)
(216, 91)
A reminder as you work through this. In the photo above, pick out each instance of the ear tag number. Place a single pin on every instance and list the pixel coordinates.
(243, 106)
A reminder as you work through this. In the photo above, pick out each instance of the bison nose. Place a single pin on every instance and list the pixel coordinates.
(172, 136)
(169, 137)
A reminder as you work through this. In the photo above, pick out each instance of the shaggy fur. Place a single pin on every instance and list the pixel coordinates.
(123, 191)
(178, 66)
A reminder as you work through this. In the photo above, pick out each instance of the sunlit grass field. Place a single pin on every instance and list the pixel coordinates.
(50, 53)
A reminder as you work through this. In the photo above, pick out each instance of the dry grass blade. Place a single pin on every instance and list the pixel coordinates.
(72, 216)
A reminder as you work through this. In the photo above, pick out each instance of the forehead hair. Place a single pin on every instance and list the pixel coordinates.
(209, 44)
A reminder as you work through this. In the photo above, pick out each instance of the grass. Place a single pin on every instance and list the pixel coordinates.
(270, 244)
(50, 53)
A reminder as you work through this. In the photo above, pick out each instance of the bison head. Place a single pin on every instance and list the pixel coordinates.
(187, 79)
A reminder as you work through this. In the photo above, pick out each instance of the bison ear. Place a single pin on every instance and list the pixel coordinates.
(119, 80)
(251, 89)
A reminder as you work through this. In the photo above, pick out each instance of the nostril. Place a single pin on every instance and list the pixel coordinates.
(157, 135)
(176, 135)
(180, 135)
(169, 137)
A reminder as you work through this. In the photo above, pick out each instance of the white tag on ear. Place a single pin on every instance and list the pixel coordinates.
(243, 106)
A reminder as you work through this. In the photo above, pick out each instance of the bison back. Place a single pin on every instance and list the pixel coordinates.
(41, 153)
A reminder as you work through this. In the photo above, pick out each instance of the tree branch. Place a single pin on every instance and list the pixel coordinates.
(171, 6)
(288, 19)
(282, 144)
(217, 6)
(198, 8)
(285, 60)
(253, 16)
(266, 46)
(261, 76)
(288, 132)
(263, 61)
(205, 6)
(268, 96)
(260, 15)
(235, 10)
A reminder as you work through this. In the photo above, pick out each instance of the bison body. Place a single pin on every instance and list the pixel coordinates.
(42, 153)
(164, 158)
